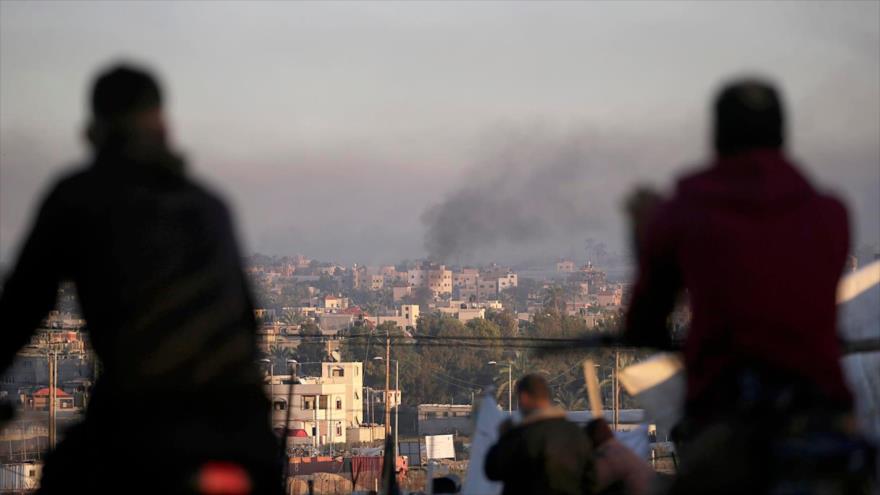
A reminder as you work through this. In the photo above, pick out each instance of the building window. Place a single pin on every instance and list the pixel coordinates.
(338, 404)
(338, 429)
(338, 372)
(308, 402)
(279, 404)
(323, 402)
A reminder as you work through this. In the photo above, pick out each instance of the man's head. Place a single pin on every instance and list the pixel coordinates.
(533, 393)
(126, 102)
(748, 115)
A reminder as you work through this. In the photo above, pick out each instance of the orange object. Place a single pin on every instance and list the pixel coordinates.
(223, 478)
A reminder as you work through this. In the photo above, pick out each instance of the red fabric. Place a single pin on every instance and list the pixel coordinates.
(366, 471)
(45, 392)
(760, 252)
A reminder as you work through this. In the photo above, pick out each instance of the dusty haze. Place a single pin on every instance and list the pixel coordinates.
(372, 132)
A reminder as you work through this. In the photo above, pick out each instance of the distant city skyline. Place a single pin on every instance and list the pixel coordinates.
(335, 129)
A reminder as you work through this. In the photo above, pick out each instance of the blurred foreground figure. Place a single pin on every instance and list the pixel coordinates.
(178, 407)
(619, 470)
(545, 453)
(759, 251)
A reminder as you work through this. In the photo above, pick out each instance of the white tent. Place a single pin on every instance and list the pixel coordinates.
(859, 317)
(489, 418)
(658, 382)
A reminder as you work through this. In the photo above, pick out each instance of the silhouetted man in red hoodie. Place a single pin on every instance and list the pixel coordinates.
(759, 251)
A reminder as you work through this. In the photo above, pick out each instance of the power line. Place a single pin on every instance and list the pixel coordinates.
(604, 341)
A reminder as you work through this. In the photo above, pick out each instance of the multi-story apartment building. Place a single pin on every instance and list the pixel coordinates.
(487, 288)
(332, 302)
(437, 278)
(611, 296)
(406, 317)
(415, 277)
(390, 273)
(440, 280)
(399, 293)
(466, 278)
(507, 281)
(565, 266)
(323, 407)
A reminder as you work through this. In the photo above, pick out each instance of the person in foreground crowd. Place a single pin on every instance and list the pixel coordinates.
(179, 406)
(545, 453)
(619, 470)
(759, 250)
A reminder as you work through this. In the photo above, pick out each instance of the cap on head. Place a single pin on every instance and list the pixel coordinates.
(748, 115)
(122, 91)
(533, 385)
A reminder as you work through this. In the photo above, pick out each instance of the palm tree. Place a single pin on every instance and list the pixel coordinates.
(279, 355)
(570, 399)
(289, 317)
(501, 383)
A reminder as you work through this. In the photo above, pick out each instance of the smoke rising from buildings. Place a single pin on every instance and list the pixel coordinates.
(534, 193)
(533, 188)
(338, 151)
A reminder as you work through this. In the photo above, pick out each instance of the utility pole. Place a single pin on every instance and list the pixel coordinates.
(396, 405)
(53, 384)
(509, 388)
(328, 425)
(616, 412)
(387, 382)
(317, 427)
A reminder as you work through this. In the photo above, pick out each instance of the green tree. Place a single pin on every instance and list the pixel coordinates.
(554, 300)
(291, 318)
(312, 347)
(506, 321)
(279, 356)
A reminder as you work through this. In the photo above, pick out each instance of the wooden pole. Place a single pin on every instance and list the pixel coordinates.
(592, 383)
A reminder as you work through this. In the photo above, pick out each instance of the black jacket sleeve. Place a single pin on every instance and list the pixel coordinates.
(501, 458)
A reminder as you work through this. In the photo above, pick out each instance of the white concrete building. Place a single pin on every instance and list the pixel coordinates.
(324, 407)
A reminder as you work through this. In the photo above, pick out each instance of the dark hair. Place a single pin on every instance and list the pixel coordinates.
(123, 90)
(748, 114)
(534, 385)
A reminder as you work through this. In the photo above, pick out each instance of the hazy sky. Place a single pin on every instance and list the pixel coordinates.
(333, 127)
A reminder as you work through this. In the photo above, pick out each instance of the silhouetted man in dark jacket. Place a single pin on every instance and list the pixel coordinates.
(157, 270)
(759, 251)
(545, 453)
